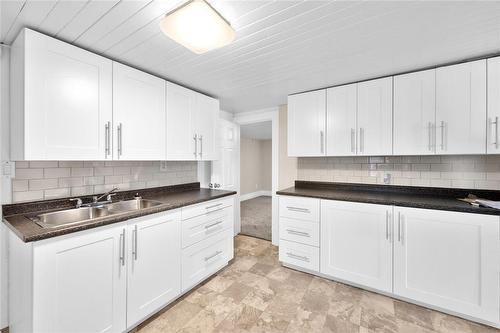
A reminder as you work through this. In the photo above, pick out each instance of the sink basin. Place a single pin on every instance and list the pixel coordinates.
(130, 205)
(70, 216)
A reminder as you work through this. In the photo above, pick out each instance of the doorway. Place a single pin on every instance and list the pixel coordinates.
(256, 179)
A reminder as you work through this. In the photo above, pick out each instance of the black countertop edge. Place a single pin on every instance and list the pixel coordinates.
(62, 203)
(403, 196)
(28, 231)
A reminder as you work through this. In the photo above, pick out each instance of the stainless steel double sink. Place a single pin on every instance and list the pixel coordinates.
(85, 214)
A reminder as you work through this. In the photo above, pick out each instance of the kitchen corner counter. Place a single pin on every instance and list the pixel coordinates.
(171, 197)
(404, 196)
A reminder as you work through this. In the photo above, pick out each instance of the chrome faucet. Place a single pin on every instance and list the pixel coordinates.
(108, 195)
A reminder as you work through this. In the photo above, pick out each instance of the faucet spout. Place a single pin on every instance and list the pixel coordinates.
(96, 199)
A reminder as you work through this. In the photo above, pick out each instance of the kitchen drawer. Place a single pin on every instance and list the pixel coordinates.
(208, 207)
(201, 227)
(305, 232)
(204, 258)
(299, 208)
(299, 255)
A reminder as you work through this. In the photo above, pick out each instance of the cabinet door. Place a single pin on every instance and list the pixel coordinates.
(341, 120)
(207, 116)
(461, 108)
(67, 101)
(493, 145)
(449, 260)
(139, 115)
(181, 104)
(80, 282)
(415, 113)
(375, 117)
(356, 243)
(306, 124)
(154, 269)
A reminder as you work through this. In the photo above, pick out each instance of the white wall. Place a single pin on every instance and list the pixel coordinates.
(287, 173)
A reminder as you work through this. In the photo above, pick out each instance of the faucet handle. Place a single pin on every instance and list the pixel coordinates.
(78, 202)
(109, 196)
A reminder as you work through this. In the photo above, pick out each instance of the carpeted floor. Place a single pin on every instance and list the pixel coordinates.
(256, 217)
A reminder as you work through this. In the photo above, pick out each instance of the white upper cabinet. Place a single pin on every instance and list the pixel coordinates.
(493, 146)
(191, 124)
(414, 113)
(341, 127)
(307, 124)
(449, 260)
(139, 115)
(461, 108)
(356, 243)
(61, 100)
(375, 117)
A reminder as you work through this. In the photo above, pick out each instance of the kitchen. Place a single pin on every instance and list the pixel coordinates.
(120, 147)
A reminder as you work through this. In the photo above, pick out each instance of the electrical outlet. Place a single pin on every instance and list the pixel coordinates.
(8, 169)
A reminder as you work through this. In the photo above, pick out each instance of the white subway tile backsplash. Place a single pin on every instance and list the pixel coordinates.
(481, 172)
(38, 180)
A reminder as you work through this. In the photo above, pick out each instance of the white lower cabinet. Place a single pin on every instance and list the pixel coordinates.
(154, 258)
(449, 260)
(299, 255)
(356, 243)
(111, 278)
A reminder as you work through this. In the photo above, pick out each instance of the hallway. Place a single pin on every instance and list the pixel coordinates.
(256, 217)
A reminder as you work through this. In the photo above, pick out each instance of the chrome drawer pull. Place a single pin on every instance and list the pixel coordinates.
(213, 206)
(298, 233)
(213, 255)
(213, 225)
(297, 209)
(122, 247)
(134, 251)
(294, 256)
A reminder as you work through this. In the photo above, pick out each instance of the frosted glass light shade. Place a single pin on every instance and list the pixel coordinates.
(198, 27)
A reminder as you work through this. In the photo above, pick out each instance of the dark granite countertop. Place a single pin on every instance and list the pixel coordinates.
(172, 197)
(404, 196)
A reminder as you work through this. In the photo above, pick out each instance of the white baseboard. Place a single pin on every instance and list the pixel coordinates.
(255, 194)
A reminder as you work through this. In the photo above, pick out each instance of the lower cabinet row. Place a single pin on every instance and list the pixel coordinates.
(111, 278)
(447, 260)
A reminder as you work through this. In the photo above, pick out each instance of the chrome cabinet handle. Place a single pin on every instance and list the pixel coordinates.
(213, 224)
(134, 235)
(298, 209)
(361, 139)
(294, 256)
(107, 139)
(399, 226)
(213, 206)
(122, 247)
(495, 143)
(213, 255)
(430, 136)
(298, 233)
(200, 138)
(119, 135)
(353, 135)
(442, 127)
(195, 145)
(387, 224)
(322, 141)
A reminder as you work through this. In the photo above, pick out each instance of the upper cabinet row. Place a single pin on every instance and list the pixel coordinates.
(70, 104)
(437, 111)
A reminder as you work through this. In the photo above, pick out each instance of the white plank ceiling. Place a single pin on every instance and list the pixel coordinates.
(282, 47)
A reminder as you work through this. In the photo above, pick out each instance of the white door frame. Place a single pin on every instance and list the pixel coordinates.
(258, 116)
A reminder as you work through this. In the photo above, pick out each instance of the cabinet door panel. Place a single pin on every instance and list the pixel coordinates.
(461, 108)
(493, 145)
(154, 270)
(306, 124)
(341, 120)
(356, 243)
(78, 278)
(448, 259)
(414, 113)
(375, 117)
(181, 103)
(67, 102)
(207, 115)
(138, 114)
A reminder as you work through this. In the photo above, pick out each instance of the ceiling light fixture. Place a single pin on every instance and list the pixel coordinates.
(197, 26)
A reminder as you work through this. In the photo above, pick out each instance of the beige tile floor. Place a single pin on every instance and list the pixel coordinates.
(255, 294)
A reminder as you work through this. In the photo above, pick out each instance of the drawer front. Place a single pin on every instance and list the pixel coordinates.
(299, 208)
(305, 232)
(209, 207)
(300, 255)
(203, 259)
(201, 227)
